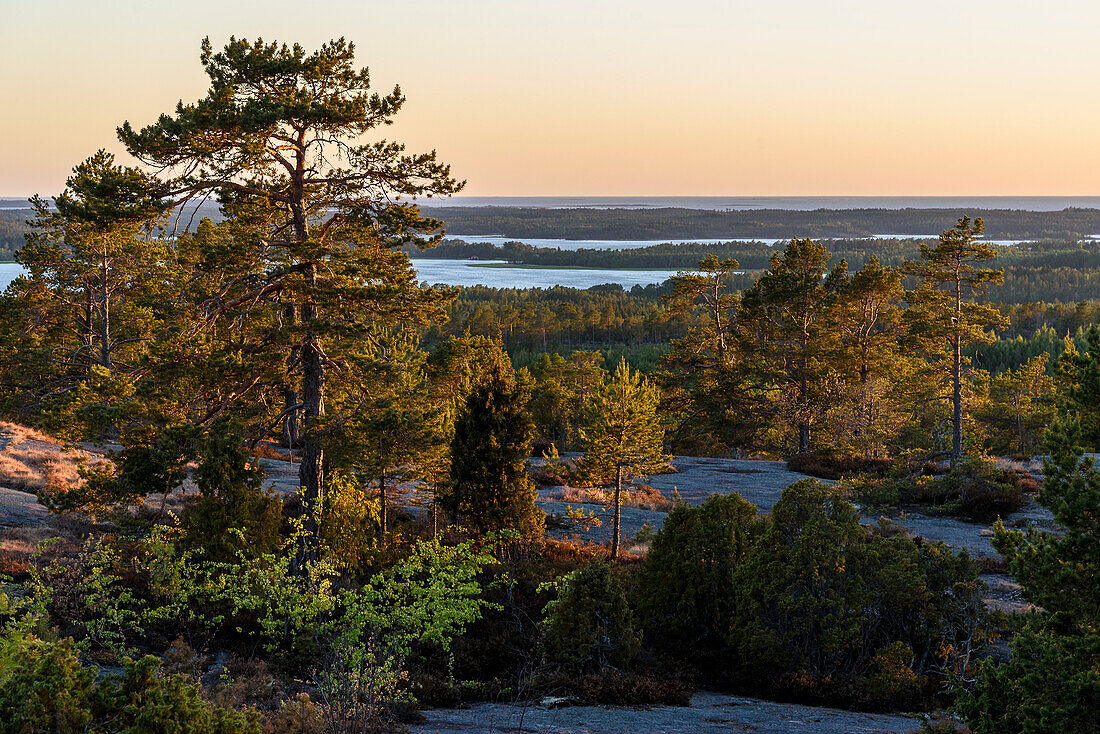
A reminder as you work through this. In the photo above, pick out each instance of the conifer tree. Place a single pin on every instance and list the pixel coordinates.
(786, 329)
(943, 314)
(1020, 406)
(95, 292)
(489, 487)
(621, 437)
(698, 373)
(319, 213)
(1052, 681)
(397, 438)
(1078, 382)
(867, 315)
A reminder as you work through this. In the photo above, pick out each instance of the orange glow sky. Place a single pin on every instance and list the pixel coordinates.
(693, 97)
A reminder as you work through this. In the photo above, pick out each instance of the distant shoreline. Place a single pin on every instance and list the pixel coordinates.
(739, 203)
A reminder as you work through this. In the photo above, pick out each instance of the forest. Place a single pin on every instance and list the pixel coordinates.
(655, 224)
(293, 489)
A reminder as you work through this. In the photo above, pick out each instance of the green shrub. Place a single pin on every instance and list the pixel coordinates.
(234, 512)
(1052, 680)
(829, 466)
(1050, 684)
(44, 687)
(685, 593)
(872, 493)
(974, 490)
(824, 606)
(590, 626)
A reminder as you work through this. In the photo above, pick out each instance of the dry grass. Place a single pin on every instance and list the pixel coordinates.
(34, 462)
(640, 496)
(1030, 466)
(271, 450)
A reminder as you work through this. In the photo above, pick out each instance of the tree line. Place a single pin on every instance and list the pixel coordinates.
(1068, 224)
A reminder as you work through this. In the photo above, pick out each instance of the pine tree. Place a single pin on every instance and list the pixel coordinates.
(319, 215)
(621, 437)
(786, 331)
(398, 438)
(1019, 408)
(94, 297)
(698, 373)
(943, 315)
(868, 311)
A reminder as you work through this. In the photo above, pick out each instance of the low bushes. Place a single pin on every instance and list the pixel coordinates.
(974, 490)
(828, 466)
(807, 604)
(45, 687)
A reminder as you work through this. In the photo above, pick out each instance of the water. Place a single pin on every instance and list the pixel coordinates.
(499, 275)
(472, 272)
(793, 203)
(8, 273)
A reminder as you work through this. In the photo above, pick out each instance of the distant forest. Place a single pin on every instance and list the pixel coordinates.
(1036, 271)
(12, 228)
(647, 224)
(1068, 225)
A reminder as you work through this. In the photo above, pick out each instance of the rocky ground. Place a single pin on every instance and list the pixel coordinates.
(709, 712)
(23, 520)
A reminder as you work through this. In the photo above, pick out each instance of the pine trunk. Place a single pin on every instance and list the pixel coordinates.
(956, 405)
(615, 521)
(311, 472)
(382, 503)
(290, 396)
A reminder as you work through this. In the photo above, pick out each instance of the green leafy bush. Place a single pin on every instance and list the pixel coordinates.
(44, 687)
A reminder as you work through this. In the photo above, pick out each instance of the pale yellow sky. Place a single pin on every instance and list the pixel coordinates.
(692, 97)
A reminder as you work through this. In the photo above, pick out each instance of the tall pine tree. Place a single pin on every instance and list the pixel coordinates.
(321, 213)
(943, 314)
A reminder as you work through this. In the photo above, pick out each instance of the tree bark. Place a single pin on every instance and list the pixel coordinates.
(956, 400)
(803, 406)
(382, 503)
(311, 471)
(291, 429)
(956, 379)
(615, 521)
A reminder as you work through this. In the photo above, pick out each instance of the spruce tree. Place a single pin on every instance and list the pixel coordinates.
(489, 487)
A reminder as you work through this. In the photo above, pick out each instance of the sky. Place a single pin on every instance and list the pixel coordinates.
(615, 98)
